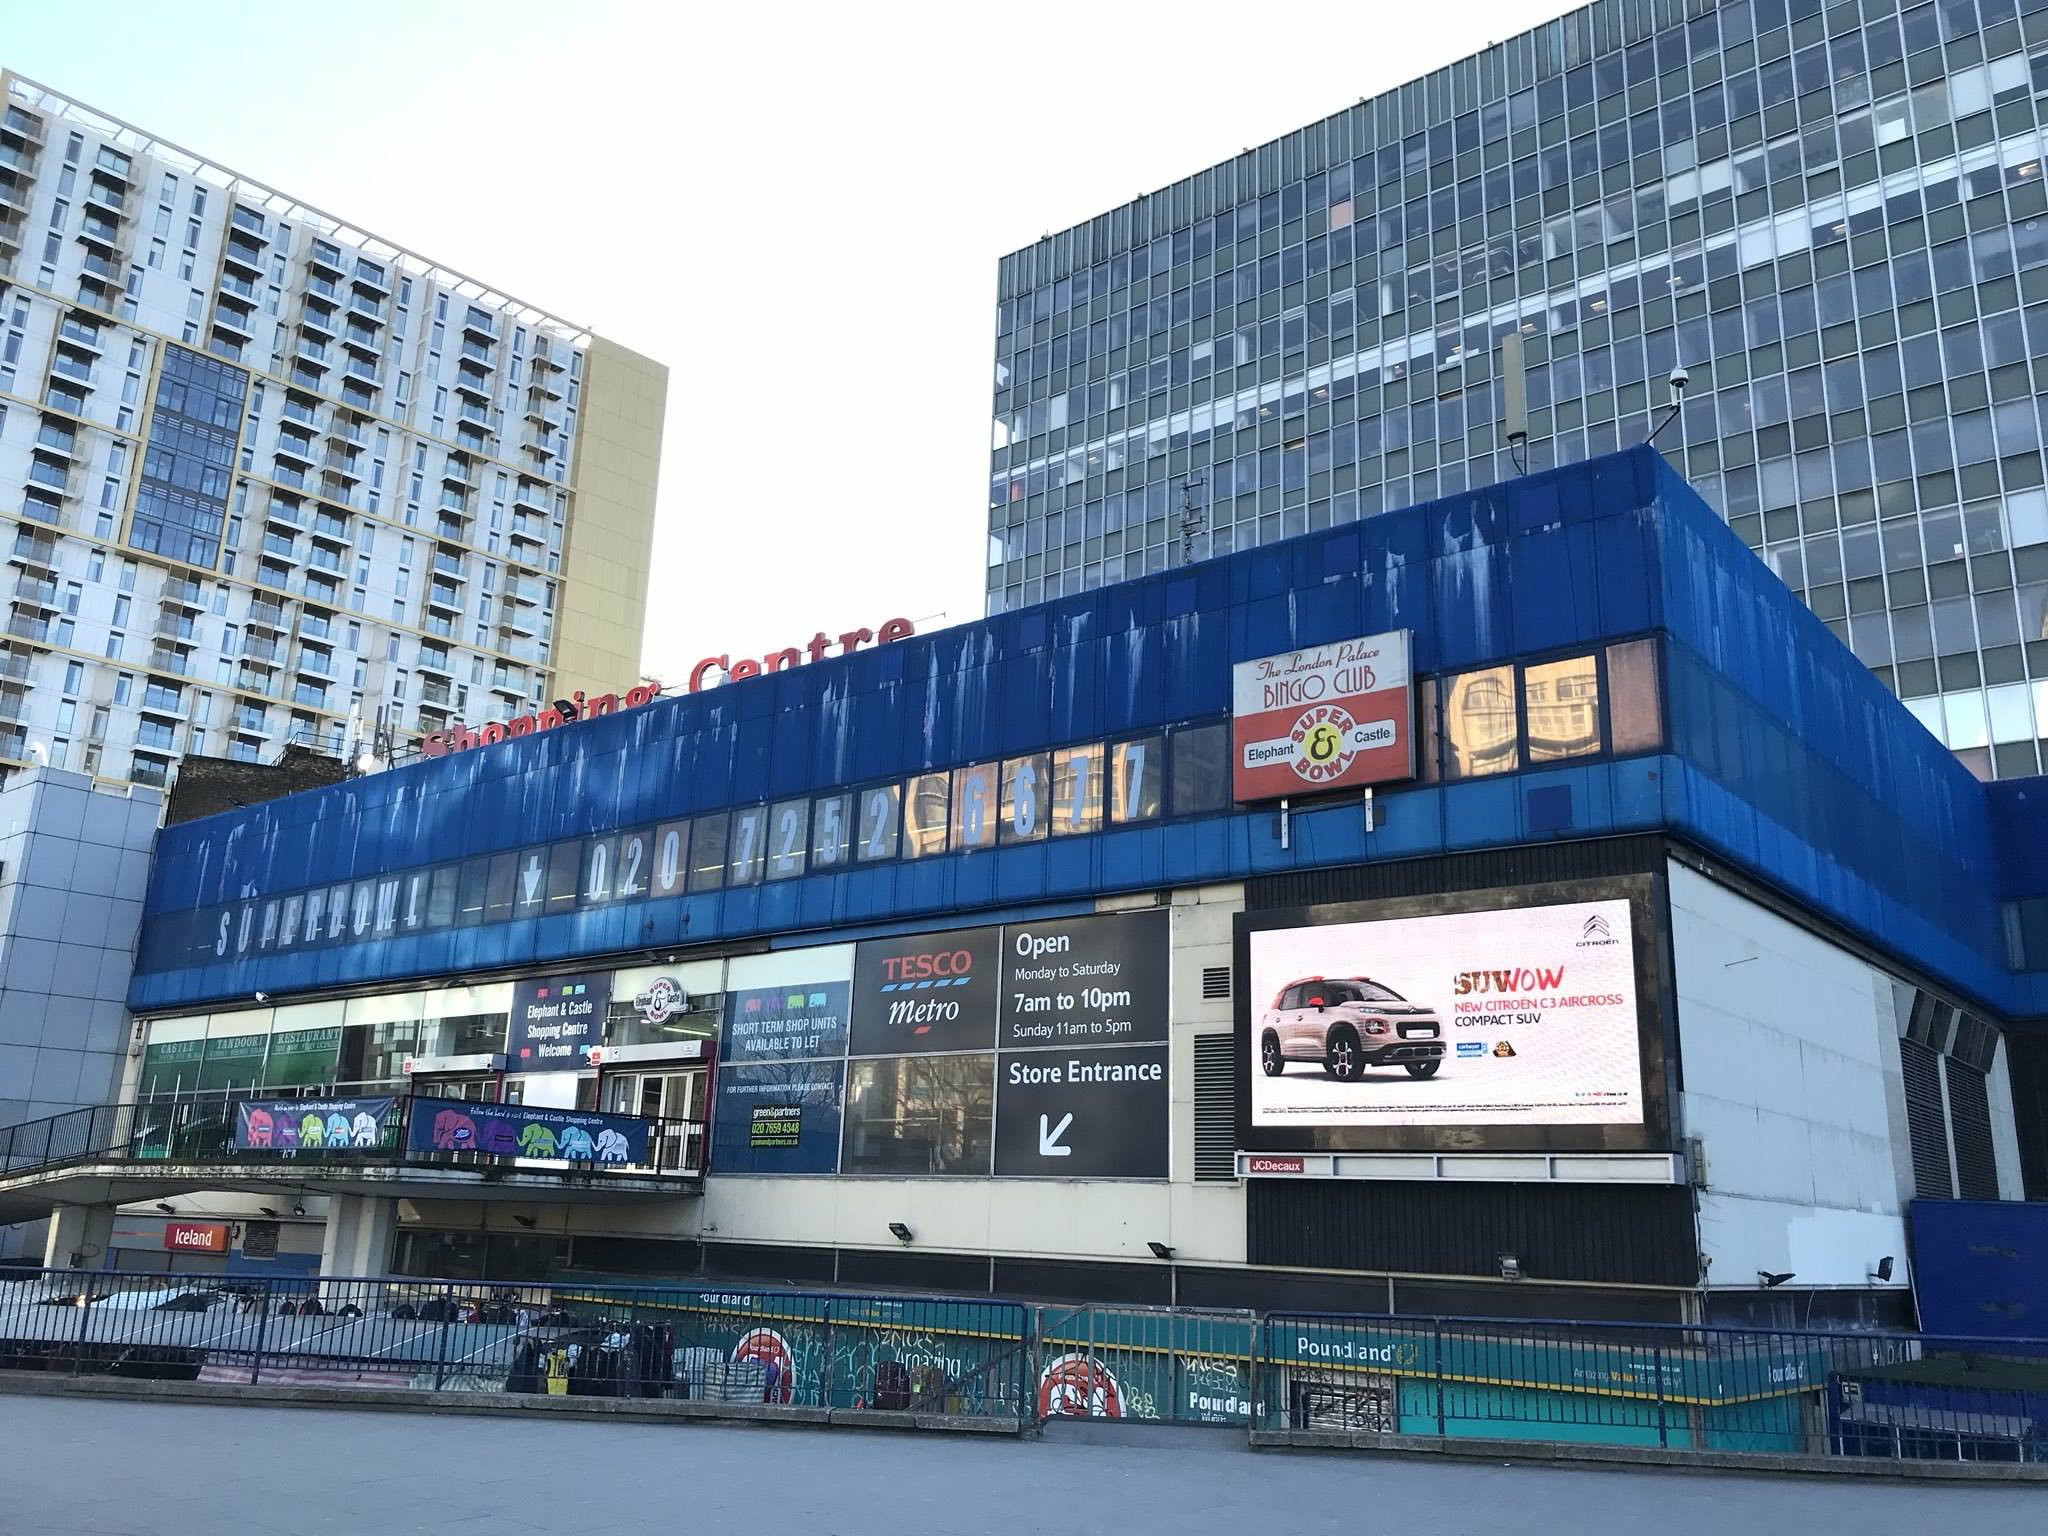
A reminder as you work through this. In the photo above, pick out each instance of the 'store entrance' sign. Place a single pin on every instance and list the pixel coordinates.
(1082, 1114)
(1081, 1075)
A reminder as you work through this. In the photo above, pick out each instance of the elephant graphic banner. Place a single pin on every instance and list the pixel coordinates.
(513, 1130)
(313, 1125)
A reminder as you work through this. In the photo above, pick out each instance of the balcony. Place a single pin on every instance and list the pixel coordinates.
(112, 199)
(176, 629)
(509, 686)
(164, 703)
(361, 369)
(318, 324)
(312, 695)
(114, 166)
(480, 417)
(439, 596)
(240, 256)
(32, 592)
(290, 445)
(456, 469)
(17, 667)
(185, 593)
(363, 306)
(449, 568)
(285, 511)
(326, 258)
(534, 494)
(365, 342)
(432, 659)
(37, 506)
(253, 679)
(449, 528)
(14, 194)
(103, 233)
(264, 653)
(315, 626)
(29, 626)
(14, 706)
(164, 658)
(472, 385)
(236, 328)
(368, 277)
(321, 558)
(439, 624)
(330, 528)
(478, 322)
(20, 123)
(14, 745)
(250, 724)
(317, 664)
(154, 738)
(34, 552)
(277, 546)
(264, 615)
(435, 693)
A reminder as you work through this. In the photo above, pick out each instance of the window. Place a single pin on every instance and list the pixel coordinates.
(1077, 790)
(1026, 785)
(880, 825)
(920, 1115)
(1479, 723)
(975, 793)
(671, 859)
(1635, 715)
(926, 800)
(1561, 701)
(745, 853)
(1201, 769)
(708, 836)
(1135, 774)
(788, 838)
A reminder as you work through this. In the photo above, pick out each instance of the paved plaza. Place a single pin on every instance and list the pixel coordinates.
(86, 1468)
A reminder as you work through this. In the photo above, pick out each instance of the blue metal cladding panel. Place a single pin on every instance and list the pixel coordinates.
(1783, 754)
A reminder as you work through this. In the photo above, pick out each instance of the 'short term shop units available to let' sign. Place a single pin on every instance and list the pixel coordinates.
(1065, 952)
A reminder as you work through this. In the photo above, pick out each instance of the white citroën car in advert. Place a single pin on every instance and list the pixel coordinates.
(1348, 1023)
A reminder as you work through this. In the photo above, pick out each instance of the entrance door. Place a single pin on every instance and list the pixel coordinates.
(675, 1100)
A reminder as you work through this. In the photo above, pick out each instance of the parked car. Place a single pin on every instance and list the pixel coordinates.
(1346, 1024)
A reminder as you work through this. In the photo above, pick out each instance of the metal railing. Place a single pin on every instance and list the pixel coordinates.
(211, 1131)
(966, 1358)
(1724, 1392)
(1676, 1388)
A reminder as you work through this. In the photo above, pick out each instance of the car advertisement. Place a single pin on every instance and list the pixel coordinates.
(1525, 1015)
(1338, 716)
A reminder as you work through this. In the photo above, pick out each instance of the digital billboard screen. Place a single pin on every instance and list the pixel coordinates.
(1520, 1016)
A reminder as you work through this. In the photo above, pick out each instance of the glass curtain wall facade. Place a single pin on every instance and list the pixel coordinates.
(1832, 216)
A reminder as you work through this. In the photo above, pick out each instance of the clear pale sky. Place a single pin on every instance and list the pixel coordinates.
(798, 208)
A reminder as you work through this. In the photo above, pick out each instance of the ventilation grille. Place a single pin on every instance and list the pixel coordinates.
(1926, 1123)
(1969, 1111)
(1216, 981)
(1215, 1107)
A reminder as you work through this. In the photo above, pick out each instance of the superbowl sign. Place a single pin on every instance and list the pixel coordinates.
(1331, 717)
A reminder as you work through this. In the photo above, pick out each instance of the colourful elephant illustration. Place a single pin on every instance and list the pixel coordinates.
(611, 1146)
(363, 1130)
(454, 1131)
(288, 1133)
(537, 1141)
(312, 1132)
(337, 1129)
(496, 1137)
(260, 1127)
(575, 1144)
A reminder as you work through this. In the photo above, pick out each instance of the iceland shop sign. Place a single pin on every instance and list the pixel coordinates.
(1338, 716)
(557, 1021)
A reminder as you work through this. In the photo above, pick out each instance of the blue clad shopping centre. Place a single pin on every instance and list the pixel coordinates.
(1832, 939)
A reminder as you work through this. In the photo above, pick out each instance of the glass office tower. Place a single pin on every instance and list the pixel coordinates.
(1832, 216)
